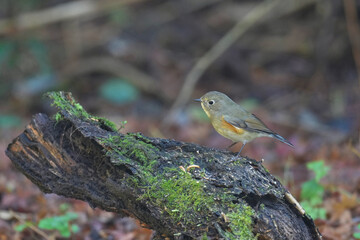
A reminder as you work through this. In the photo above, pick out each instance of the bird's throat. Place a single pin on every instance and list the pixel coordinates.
(205, 110)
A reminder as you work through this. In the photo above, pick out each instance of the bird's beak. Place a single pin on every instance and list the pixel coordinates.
(197, 100)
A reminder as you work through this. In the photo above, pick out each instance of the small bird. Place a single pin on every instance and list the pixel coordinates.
(233, 122)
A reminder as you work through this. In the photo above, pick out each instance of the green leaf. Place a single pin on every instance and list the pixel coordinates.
(64, 206)
(313, 211)
(40, 52)
(312, 190)
(356, 235)
(319, 168)
(71, 216)
(75, 228)
(60, 223)
(118, 91)
(9, 121)
(6, 48)
(22, 227)
(120, 15)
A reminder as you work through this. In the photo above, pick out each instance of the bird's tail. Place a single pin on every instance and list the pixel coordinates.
(280, 138)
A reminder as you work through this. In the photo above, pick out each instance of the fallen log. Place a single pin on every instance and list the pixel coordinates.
(181, 190)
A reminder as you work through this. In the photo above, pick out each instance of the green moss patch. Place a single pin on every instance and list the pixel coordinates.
(67, 104)
(64, 101)
(181, 196)
(240, 222)
(130, 147)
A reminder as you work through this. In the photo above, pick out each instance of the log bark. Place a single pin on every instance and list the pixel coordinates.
(156, 180)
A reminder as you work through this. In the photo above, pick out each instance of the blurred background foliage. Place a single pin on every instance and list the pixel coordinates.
(297, 67)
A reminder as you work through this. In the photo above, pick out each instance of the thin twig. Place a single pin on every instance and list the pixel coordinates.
(252, 18)
(63, 12)
(220, 231)
(32, 227)
(354, 150)
(353, 27)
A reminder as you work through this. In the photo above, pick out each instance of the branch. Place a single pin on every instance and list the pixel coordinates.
(63, 12)
(181, 190)
(353, 27)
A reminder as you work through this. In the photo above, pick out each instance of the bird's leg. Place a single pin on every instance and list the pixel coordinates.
(231, 145)
(238, 154)
(242, 147)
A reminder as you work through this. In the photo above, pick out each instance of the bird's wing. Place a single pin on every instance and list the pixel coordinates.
(250, 123)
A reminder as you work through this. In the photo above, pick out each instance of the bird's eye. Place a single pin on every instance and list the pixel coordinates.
(211, 102)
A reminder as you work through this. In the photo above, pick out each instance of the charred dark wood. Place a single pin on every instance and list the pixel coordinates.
(80, 157)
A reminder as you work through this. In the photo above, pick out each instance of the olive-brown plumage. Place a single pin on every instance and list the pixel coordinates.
(233, 122)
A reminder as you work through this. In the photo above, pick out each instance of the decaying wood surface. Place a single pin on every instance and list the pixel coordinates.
(72, 157)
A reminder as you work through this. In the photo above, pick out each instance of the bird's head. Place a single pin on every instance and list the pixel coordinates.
(214, 102)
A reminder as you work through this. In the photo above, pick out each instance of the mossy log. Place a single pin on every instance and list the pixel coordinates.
(80, 156)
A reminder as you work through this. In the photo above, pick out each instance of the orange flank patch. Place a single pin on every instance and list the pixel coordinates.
(231, 127)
